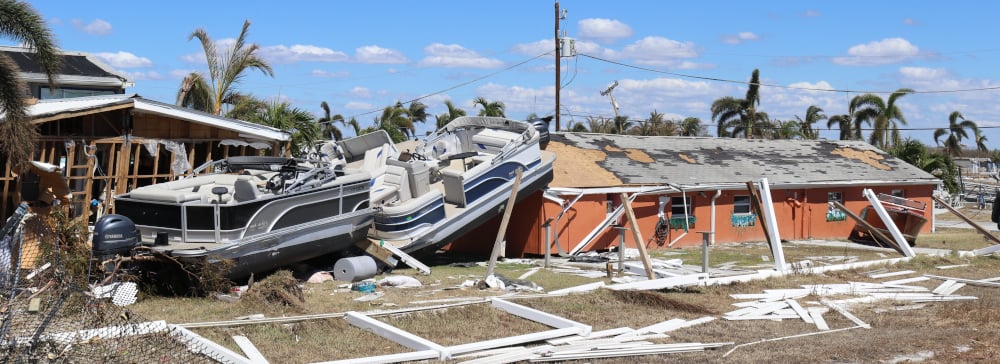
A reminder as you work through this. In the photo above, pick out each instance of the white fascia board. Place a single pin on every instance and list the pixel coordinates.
(395, 334)
(539, 316)
(67, 80)
(513, 340)
(243, 128)
(198, 344)
(390, 358)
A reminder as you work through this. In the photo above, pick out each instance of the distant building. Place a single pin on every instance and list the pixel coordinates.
(81, 75)
(689, 185)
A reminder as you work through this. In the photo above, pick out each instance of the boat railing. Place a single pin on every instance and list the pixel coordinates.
(511, 147)
(901, 202)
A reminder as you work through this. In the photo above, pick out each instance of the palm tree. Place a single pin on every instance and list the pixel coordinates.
(940, 165)
(691, 126)
(981, 142)
(329, 130)
(576, 127)
(884, 117)
(786, 129)
(813, 115)
(489, 108)
(843, 122)
(600, 125)
(452, 114)
(225, 71)
(394, 121)
(726, 112)
(299, 123)
(739, 116)
(956, 132)
(23, 24)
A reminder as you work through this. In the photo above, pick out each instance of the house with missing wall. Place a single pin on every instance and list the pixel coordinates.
(103, 142)
(687, 185)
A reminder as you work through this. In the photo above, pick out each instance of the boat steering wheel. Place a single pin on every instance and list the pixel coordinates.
(275, 183)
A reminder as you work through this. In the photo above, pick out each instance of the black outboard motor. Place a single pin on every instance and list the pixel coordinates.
(114, 235)
(542, 125)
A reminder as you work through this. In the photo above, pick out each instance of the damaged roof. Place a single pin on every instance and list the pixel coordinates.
(54, 109)
(601, 160)
(78, 68)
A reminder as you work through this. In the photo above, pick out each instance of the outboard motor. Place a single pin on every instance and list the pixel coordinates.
(114, 235)
(542, 126)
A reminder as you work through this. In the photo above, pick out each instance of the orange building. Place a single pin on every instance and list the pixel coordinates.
(687, 185)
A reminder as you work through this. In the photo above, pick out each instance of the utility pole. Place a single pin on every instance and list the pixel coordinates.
(558, 62)
(608, 92)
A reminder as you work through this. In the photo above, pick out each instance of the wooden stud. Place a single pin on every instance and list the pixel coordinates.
(501, 234)
(637, 235)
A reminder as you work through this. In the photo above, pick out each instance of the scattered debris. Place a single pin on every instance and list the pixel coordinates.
(320, 277)
(399, 281)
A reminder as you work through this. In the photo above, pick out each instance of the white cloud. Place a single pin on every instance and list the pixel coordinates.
(886, 51)
(910, 21)
(811, 13)
(194, 58)
(322, 73)
(180, 74)
(144, 76)
(607, 30)
(355, 105)
(301, 53)
(658, 51)
(534, 48)
(96, 27)
(454, 55)
(362, 92)
(739, 38)
(376, 54)
(922, 72)
(123, 59)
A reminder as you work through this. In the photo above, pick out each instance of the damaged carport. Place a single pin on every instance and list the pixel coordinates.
(107, 145)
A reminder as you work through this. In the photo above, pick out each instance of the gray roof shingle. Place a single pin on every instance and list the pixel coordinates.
(691, 161)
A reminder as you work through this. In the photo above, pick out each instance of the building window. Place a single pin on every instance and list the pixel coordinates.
(898, 193)
(742, 216)
(832, 212)
(679, 217)
(46, 93)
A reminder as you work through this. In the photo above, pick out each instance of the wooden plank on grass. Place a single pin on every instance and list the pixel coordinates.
(967, 281)
(974, 225)
(581, 288)
(390, 358)
(891, 274)
(845, 312)
(397, 335)
(661, 283)
(513, 340)
(250, 350)
(817, 318)
(544, 318)
(799, 310)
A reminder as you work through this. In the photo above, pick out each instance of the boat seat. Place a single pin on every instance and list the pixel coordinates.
(244, 190)
(394, 188)
(492, 141)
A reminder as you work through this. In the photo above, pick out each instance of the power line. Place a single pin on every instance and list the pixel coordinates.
(781, 86)
(464, 83)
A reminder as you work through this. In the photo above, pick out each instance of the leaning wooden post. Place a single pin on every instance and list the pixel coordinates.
(498, 244)
(637, 235)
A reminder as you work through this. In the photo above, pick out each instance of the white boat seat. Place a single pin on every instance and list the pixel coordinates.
(394, 188)
(492, 141)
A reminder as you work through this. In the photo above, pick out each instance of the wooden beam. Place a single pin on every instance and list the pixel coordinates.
(377, 252)
(250, 350)
(543, 318)
(871, 229)
(501, 234)
(974, 225)
(904, 246)
(68, 115)
(637, 235)
(771, 221)
(397, 335)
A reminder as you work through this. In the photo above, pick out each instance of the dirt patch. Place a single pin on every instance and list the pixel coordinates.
(867, 157)
(577, 167)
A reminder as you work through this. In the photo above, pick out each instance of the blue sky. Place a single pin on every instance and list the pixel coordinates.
(360, 56)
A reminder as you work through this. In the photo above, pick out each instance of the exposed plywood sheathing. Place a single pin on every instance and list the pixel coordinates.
(868, 157)
(574, 162)
(638, 155)
(687, 158)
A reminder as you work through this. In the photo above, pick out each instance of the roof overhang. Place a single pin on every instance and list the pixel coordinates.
(57, 109)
